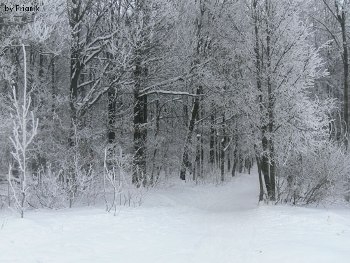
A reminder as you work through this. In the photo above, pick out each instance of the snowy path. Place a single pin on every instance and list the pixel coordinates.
(181, 224)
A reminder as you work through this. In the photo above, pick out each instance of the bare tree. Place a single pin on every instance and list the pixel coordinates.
(24, 130)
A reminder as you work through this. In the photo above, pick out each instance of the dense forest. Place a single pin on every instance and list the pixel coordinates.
(103, 99)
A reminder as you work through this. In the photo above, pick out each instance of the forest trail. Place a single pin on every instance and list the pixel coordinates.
(182, 223)
(240, 194)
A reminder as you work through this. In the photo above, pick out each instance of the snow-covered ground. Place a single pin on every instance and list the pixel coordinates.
(183, 223)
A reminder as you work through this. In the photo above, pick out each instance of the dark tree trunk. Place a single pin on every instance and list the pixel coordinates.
(235, 157)
(112, 107)
(223, 145)
(53, 85)
(202, 151)
(272, 172)
(140, 72)
(140, 130)
(185, 110)
(197, 167)
(212, 140)
(248, 164)
(266, 143)
(41, 64)
(261, 184)
(158, 113)
(264, 164)
(75, 73)
(234, 167)
(185, 163)
(75, 69)
(342, 21)
(228, 160)
(198, 172)
(271, 102)
(240, 163)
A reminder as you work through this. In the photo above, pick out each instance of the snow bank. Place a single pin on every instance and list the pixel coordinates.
(184, 224)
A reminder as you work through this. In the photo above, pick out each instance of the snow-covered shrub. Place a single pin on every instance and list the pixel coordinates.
(59, 189)
(117, 184)
(48, 189)
(80, 182)
(315, 175)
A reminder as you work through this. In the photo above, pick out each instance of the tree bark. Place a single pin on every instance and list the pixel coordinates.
(342, 21)
(112, 102)
(75, 67)
(271, 102)
(156, 133)
(223, 145)
(53, 85)
(140, 129)
(261, 184)
(185, 163)
(264, 164)
(140, 72)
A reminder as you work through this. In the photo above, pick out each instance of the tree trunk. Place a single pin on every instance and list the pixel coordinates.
(53, 87)
(202, 150)
(185, 163)
(112, 103)
(271, 102)
(272, 169)
(75, 70)
(342, 20)
(140, 72)
(197, 165)
(158, 113)
(235, 157)
(140, 130)
(261, 184)
(212, 140)
(228, 159)
(198, 169)
(223, 145)
(264, 163)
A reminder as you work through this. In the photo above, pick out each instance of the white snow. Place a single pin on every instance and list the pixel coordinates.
(183, 223)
